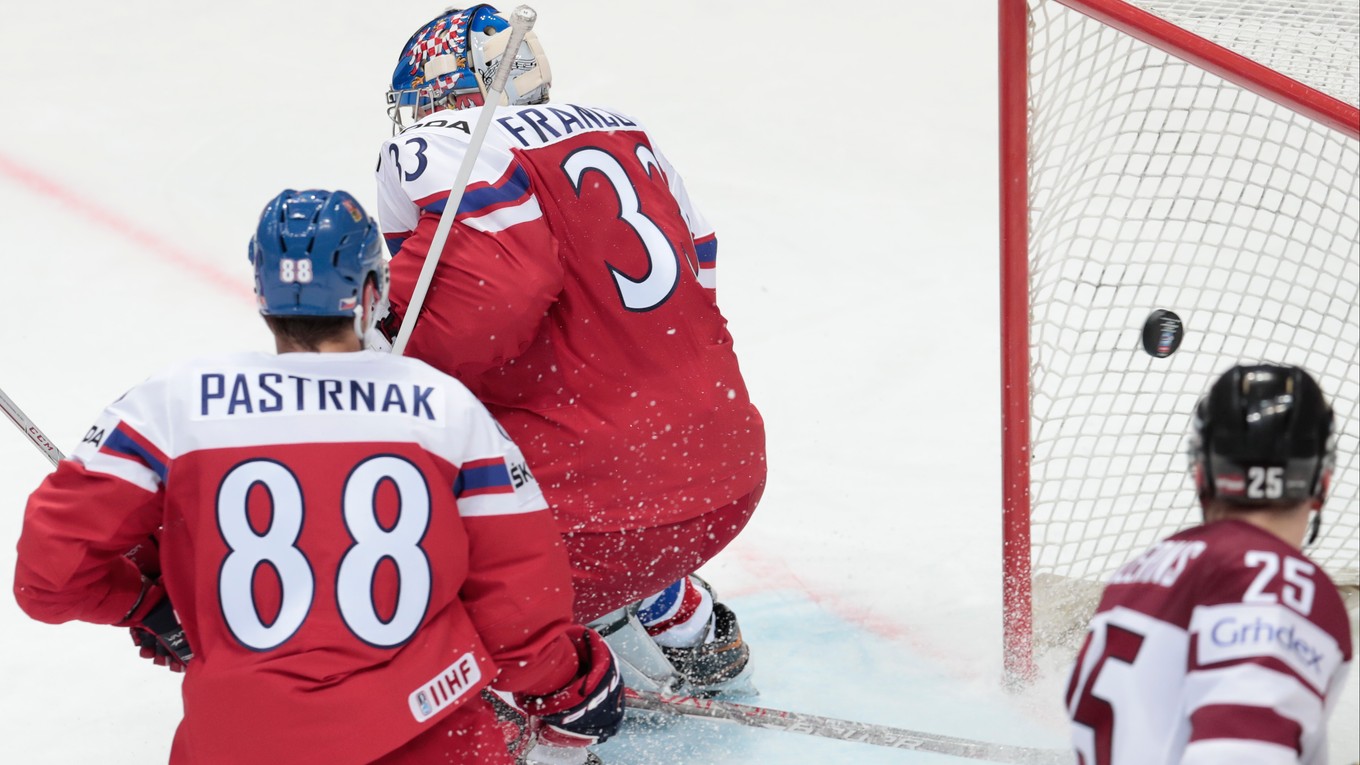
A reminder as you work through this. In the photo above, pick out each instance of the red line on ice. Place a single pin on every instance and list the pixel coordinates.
(776, 571)
(92, 211)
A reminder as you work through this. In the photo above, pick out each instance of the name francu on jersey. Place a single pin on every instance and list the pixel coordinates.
(541, 125)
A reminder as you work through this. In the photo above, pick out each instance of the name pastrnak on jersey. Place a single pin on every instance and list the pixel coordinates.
(321, 519)
(1220, 644)
(576, 297)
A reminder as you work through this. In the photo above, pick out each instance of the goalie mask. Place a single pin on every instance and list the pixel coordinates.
(450, 62)
(1263, 436)
(313, 252)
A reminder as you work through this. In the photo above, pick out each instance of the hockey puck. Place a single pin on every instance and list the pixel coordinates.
(1162, 333)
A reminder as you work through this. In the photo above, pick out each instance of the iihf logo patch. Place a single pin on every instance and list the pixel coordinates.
(445, 688)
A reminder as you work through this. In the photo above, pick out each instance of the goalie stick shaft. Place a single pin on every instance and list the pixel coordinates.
(21, 421)
(843, 730)
(521, 21)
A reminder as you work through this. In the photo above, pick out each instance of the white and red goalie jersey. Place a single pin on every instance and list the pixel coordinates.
(1220, 644)
(345, 537)
(575, 297)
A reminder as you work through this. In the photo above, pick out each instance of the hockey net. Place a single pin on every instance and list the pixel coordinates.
(1198, 156)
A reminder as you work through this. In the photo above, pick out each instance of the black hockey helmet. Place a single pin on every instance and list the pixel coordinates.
(1263, 436)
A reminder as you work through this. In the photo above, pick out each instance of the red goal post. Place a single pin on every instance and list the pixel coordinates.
(1199, 156)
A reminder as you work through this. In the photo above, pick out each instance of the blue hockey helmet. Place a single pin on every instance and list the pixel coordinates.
(1263, 435)
(450, 62)
(313, 252)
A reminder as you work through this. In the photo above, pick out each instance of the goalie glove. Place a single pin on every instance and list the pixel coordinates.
(589, 709)
(160, 638)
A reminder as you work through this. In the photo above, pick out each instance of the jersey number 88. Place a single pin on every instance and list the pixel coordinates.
(277, 547)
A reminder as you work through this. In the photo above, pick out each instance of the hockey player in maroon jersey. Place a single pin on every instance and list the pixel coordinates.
(576, 298)
(1224, 643)
(352, 546)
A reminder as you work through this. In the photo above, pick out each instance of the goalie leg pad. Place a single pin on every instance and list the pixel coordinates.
(679, 616)
(641, 663)
(717, 662)
(720, 663)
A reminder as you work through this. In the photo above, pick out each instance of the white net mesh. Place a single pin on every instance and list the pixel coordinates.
(1155, 184)
(1316, 43)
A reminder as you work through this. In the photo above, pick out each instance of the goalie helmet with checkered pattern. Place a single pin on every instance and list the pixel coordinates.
(449, 63)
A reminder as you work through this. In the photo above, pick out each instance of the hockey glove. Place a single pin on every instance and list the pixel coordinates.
(161, 638)
(589, 709)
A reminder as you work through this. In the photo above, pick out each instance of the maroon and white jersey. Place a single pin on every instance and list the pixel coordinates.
(344, 536)
(1220, 644)
(575, 297)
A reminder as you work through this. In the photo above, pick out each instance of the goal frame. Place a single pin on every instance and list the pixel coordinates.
(1013, 61)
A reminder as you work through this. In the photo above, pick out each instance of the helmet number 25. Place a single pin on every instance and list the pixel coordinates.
(1265, 482)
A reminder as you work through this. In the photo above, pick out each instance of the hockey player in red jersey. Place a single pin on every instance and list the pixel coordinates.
(576, 298)
(353, 549)
(1224, 643)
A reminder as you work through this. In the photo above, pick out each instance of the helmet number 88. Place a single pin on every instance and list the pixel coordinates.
(295, 270)
(1265, 482)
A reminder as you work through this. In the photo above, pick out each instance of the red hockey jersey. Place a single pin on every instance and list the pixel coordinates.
(1220, 644)
(352, 545)
(575, 298)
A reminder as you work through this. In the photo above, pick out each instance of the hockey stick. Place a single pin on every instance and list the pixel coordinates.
(844, 730)
(21, 421)
(521, 21)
